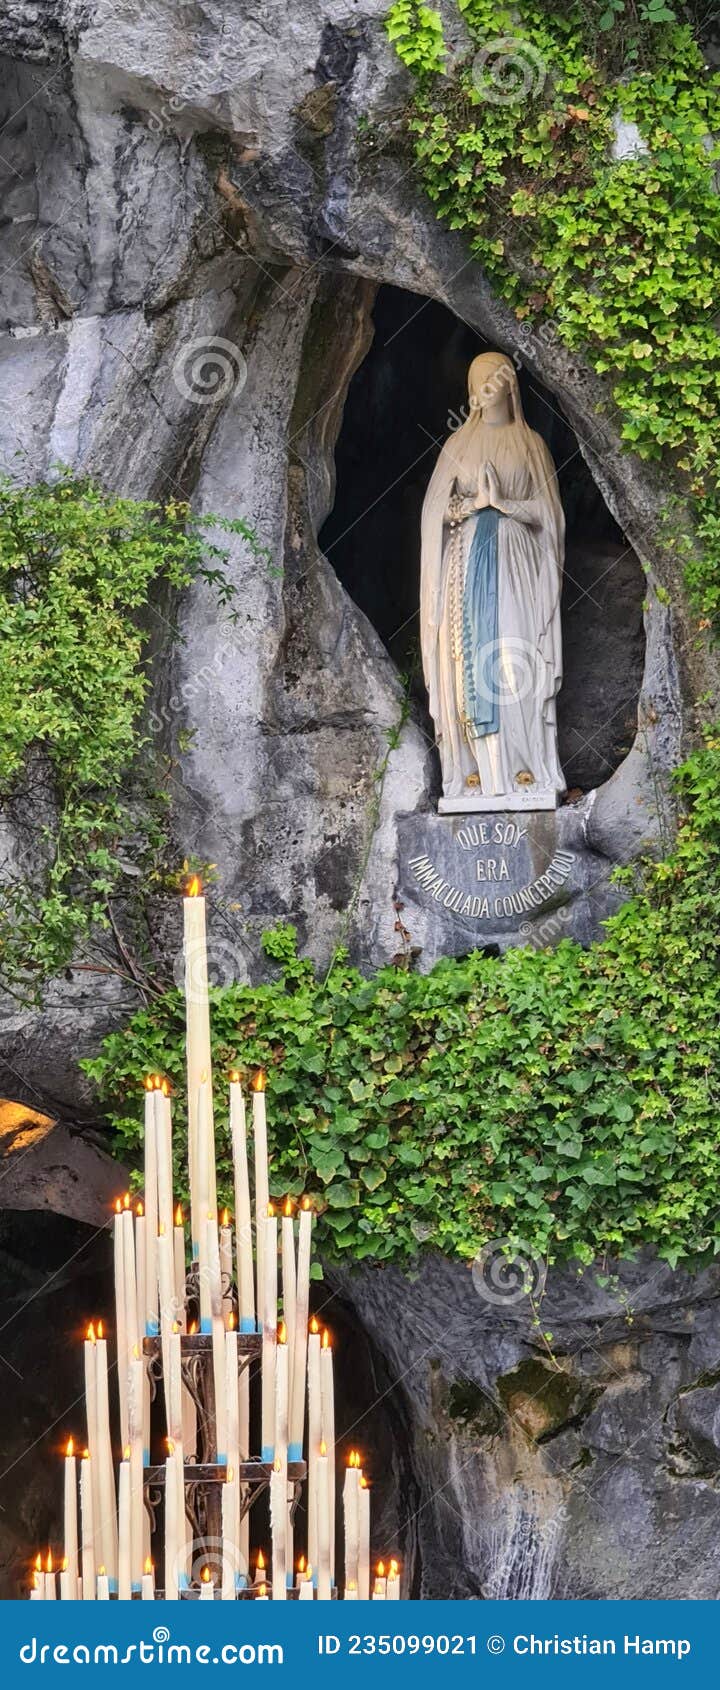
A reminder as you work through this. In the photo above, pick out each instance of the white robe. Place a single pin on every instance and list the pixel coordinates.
(523, 670)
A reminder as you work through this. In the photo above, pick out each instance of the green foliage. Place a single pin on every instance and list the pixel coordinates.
(77, 568)
(417, 34)
(617, 259)
(565, 1099)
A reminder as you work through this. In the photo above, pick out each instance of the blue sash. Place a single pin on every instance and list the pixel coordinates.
(480, 626)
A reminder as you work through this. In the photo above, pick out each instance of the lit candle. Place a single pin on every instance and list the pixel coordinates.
(269, 1337)
(229, 1518)
(301, 1573)
(282, 1541)
(262, 1595)
(289, 1278)
(71, 1521)
(380, 1586)
(179, 1263)
(172, 1526)
(87, 1529)
(197, 1021)
(244, 1443)
(351, 1517)
(260, 1585)
(323, 1525)
(392, 1589)
(50, 1584)
(120, 1329)
(163, 1127)
(351, 1592)
(262, 1186)
(226, 1266)
(168, 1310)
(207, 1587)
(37, 1587)
(314, 1437)
(204, 1151)
(124, 1528)
(103, 1585)
(232, 1410)
(130, 1277)
(151, 1211)
(243, 1215)
(65, 1592)
(302, 1300)
(307, 1591)
(89, 1356)
(364, 1556)
(278, 1512)
(147, 1592)
(106, 1522)
(327, 1418)
(136, 1389)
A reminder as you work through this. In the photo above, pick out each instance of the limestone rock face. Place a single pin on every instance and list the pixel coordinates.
(583, 1465)
(200, 210)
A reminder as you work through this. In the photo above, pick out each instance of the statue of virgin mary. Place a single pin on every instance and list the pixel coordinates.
(491, 575)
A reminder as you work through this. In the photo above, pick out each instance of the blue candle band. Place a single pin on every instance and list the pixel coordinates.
(146, 1458)
(183, 1581)
(242, 1581)
(294, 1452)
(152, 1327)
(289, 1580)
(206, 1325)
(136, 1588)
(222, 1461)
(247, 1325)
(268, 1453)
(195, 1251)
(113, 1586)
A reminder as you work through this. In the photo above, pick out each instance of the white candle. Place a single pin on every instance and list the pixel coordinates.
(103, 1585)
(218, 1338)
(147, 1592)
(380, 1585)
(392, 1589)
(172, 1526)
(226, 1266)
(124, 1528)
(197, 1021)
(269, 1339)
(151, 1211)
(136, 1388)
(243, 1214)
(244, 1442)
(229, 1517)
(89, 1353)
(179, 1264)
(323, 1526)
(364, 1557)
(140, 1267)
(37, 1587)
(168, 1311)
(289, 1280)
(302, 1299)
(120, 1328)
(87, 1529)
(314, 1437)
(50, 1587)
(327, 1418)
(262, 1185)
(232, 1410)
(163, 1128)
(351, 1517)
(207, 1587)
(106, 1523)
(350, 1593)
(204, 1152)
(306, 1590)
(66, 1595)
(71, 1521)
(278, 1510)
(130, 1297)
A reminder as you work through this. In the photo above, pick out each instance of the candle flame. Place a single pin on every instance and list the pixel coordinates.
(126, 1200)
(165, 1087)
(230, 1475)
(308, 1571)
(323, 1447)
(282, 1333)
(305, 1204)
(126, 1453)
(326, 1339)
(394, 1569)
(353, 1458)
(234, 1076)
(193, 1329)
(179, 1215)
(259, 1080)
(288, 1208)
(231, 1321)
(363, 1482)
(193, 886)
(64, 1564)
(149, 1082)
(118, 1205)
(86, 1455)
(351, 1584)
(270, 1212)
(170, 1446)
(225, 1217)
(262, 1590)
(206, 1575)
(381, 1569)
(101, 1572)
(277, 1465)
(161, 1229)
(260, 1563)
(148, 1567)
(157, 1082)
(38, 1562)
(136, 1352)
(301, 1564)
(49, 1562)
(100, 1329)
(176, 1326)
(314, 1328)
(70, 1447)
(140, 1210)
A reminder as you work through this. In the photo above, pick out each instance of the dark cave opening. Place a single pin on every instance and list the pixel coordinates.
(403, 401)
